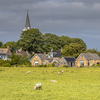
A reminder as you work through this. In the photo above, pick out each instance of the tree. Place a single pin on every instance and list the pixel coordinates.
(92, 51)
(19, 60)
(74, 49)
(15, 59)
(79, 41)
(64, 40)
(1, 44)
(24, 61)
(31, 40)
(51, 41)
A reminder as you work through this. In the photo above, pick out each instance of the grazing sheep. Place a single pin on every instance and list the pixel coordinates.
(58, 73)
(38, 86)
(28, 72)
(53, 81)
(62, 71)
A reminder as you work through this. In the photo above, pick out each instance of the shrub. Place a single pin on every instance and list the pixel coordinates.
(48, 65)
(7, 65)
(93, 65)
(65, 65)
(53, 64)
(45, 65)
(98, 65)
(2, 62)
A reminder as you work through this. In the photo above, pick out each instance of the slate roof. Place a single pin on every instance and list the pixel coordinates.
(58, 53)
(22, 53)
(5, 51)
(70, 59)
(45, 57)
(91, 56)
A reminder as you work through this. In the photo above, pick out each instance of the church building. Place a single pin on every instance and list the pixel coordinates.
(27, 24)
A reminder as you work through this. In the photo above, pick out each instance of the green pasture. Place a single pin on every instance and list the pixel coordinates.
(73, 84)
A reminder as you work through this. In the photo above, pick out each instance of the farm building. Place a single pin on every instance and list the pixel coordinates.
(87, 59)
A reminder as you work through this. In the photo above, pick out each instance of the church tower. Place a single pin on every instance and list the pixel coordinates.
(27, 24)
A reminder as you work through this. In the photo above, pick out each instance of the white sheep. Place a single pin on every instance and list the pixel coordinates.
(28, 72)
(62, 71)
(53, 81)
(58, 73)
(38, 86)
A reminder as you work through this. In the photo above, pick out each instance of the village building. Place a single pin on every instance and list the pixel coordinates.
(22, 53)
(5, 53)
(41, 59)
(87, 59)
(70, 61)
(27, 24)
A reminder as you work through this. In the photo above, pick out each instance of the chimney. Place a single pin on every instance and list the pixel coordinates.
(16, 51)
(52, 50)
(20, 50)
(44, 52)
(26, 50)
(7, 47)
(61, 49)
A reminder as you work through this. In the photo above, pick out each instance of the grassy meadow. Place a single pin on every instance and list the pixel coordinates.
(73, 84)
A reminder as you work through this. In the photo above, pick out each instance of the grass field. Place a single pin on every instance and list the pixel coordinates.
(73, 84)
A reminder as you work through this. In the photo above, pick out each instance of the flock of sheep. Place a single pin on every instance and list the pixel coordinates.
(39, 85)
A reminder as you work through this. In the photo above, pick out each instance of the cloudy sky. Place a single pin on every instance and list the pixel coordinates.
(73, 18)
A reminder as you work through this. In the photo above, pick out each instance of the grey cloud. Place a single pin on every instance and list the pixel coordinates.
(74, 18)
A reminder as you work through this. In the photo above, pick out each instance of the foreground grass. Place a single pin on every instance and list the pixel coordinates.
(73, 84)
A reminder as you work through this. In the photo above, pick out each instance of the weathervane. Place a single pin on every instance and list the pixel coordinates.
(27, 9)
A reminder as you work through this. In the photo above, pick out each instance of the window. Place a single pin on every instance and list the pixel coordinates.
(43, 63)
(81, 56)
(88, 62)
(36, 62)
(1, 51)
(82, 62)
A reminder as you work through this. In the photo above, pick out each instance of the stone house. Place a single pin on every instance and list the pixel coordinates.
(87, 59)
(5, 53)
(68, 61)
(41, 59)
(65, 61)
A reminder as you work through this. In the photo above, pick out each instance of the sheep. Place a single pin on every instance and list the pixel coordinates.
(28, 72)
(62, 71)
(53, 81)
(58, 73)
(38, 86)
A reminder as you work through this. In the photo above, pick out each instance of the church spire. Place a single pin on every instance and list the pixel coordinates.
(27, 24)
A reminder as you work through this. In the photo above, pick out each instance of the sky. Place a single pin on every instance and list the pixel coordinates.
(73, 18)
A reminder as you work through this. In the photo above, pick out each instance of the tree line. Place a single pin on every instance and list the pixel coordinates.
(33, 40)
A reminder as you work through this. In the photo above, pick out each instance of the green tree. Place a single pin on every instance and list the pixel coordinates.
(64, 40)
(51, 41)
(24, 61)
(74, 49)
(31, 40)
(1, 44)
(15, 59)
(79, 41)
